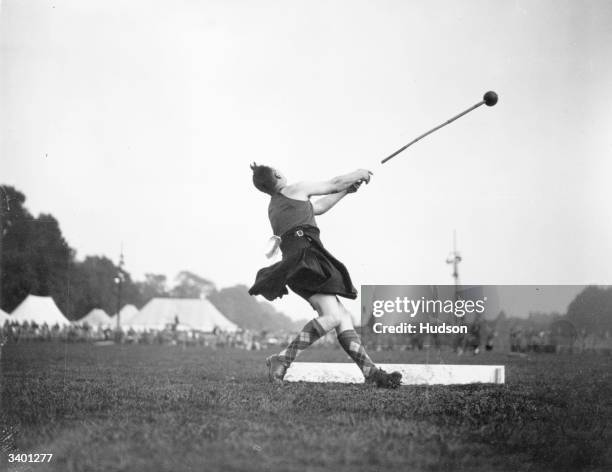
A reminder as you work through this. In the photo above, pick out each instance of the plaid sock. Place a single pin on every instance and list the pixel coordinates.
(351, 343)
(309, 334)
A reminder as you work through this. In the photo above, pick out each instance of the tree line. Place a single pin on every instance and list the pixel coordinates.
(35, 258)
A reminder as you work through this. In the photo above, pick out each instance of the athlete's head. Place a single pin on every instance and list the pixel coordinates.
(267, 179)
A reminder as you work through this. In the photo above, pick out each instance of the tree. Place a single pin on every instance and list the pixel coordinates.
(190, 285)
(92, 285)
(93, 282)
(591, 310)
(247, 312)
(52, 258)
(154, 285)
(35, 258)
(14, 230)
(34, 253)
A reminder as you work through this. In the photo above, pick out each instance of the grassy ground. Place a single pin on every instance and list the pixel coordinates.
(142, 408)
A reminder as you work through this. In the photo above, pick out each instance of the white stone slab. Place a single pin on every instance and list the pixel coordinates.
(412, 374)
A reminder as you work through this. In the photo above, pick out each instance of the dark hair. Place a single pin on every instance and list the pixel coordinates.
(264, 178)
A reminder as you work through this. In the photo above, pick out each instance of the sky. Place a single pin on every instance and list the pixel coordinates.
(134, 123)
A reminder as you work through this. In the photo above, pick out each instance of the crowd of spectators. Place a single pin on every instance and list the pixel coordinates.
(32, 332)
(533, 340)
(521, 340)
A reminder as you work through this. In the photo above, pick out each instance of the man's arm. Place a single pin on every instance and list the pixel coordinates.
(304, 190)
(324, 204)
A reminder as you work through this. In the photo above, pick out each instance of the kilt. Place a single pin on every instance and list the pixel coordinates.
(306, 268)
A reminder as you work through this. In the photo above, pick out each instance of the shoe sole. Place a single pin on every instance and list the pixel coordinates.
(271, 377)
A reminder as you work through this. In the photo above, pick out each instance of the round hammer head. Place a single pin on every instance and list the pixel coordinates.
(490, 98)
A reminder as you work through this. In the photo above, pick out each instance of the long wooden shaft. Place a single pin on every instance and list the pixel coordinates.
(432, 130)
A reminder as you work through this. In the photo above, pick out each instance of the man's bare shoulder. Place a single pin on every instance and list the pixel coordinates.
(297, 191)
(304, 190)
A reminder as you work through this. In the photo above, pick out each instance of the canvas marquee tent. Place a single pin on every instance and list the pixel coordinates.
(194, 314)
(39, 310)
(96, 317)
(127, 313)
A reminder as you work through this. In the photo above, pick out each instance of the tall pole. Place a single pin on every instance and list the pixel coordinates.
(455, 258)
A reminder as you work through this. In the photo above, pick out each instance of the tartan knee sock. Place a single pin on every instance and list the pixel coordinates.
(351, 343)
(309, 334)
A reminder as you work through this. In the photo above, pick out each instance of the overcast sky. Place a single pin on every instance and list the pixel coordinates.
(134, 122)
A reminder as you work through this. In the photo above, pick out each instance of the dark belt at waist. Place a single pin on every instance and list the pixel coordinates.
(300, 232)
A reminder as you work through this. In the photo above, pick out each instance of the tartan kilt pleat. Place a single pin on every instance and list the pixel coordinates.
(306, 268)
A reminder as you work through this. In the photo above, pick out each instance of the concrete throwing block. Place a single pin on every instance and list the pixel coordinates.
(412, 374)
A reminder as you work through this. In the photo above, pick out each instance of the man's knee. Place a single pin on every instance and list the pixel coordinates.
(342, 317)
(336, 314)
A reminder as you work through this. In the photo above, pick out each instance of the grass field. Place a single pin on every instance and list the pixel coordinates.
(167, 408)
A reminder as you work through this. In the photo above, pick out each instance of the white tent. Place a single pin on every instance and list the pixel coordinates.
(127, 313)
(95, 318)
(40, 310)
(196, 314)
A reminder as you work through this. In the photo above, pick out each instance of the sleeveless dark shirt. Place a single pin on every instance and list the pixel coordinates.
(286, 213)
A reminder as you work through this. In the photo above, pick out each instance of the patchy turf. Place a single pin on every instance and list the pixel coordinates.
(141, 408)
